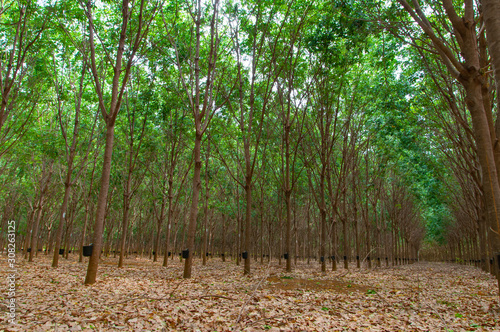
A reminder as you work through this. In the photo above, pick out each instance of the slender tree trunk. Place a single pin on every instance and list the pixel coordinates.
(288, 226)
(295, 235)
(126, 208)
(248, 224)
(288, 194)
(334, 244)
(193, 212)
(238, 227)
(87, 210)
(482, 242)
(101, 207)
(309, 240)
(62, 217)
(84, 232)
(34, 233)
(70, 160)
(223, 248)
(356, 234)
(27, 239)
(159, 222)
(204, 251)
(39, 207)
(261, 237)
(322, 251)
(345, 243)
(170, 215)
(368, 239)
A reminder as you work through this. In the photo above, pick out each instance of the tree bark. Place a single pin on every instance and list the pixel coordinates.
(193, 211)
(126, 208)
(248, 215)
(101, 207)
(491, 13)
(288, 194)
(45, 180)
(62, 217)
(204, 251)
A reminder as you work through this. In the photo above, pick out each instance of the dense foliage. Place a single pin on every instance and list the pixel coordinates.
(324, 131)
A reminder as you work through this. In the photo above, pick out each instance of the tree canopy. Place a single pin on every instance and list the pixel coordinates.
(249, 128)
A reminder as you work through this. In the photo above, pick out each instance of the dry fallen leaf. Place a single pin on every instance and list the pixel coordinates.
(146, 296)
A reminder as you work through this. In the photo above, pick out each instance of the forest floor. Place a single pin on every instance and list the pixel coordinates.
(144, 296)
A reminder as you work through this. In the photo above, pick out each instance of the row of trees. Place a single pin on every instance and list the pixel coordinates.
(257, 129)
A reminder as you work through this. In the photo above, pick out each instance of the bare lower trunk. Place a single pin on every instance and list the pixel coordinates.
(156, 246)
(193, 212)
(101, 207)
(84, 231)
(159, 223)
(261, 237)
(169, 223)
(34, 234)
(288, 239)
(223, 249)
(322, 250)
(62, 218)
(334, 246)
(308, 243)
(356, 234)
(248, 210)
(39, 207)
(345, 244)
(204, 251)
(126, 208)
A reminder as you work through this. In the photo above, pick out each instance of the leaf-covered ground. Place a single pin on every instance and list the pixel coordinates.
(144, 296)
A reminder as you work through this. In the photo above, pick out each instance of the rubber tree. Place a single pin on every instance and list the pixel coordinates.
(323, 127)
(129, 42)
(292, 110)
(71, 144)
(41, 199)
(201, 99)
(131, 184)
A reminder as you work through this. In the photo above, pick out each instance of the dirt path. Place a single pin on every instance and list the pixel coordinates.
(147, 297)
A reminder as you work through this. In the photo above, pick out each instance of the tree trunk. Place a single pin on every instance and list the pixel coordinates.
(39, 207)
(204, 251)
(84, 232)
(491, 13)
(309, 240)
(159, 222)
(345, 243)
(248, 215)
(62, 217)
(322, 251)
(101, 207)
(170, 213)
(485, 149)
(261, 237)
(126, 208)
(334, 244)
(223, 248)
(34, 232)
(193, 212)
(288, 192)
